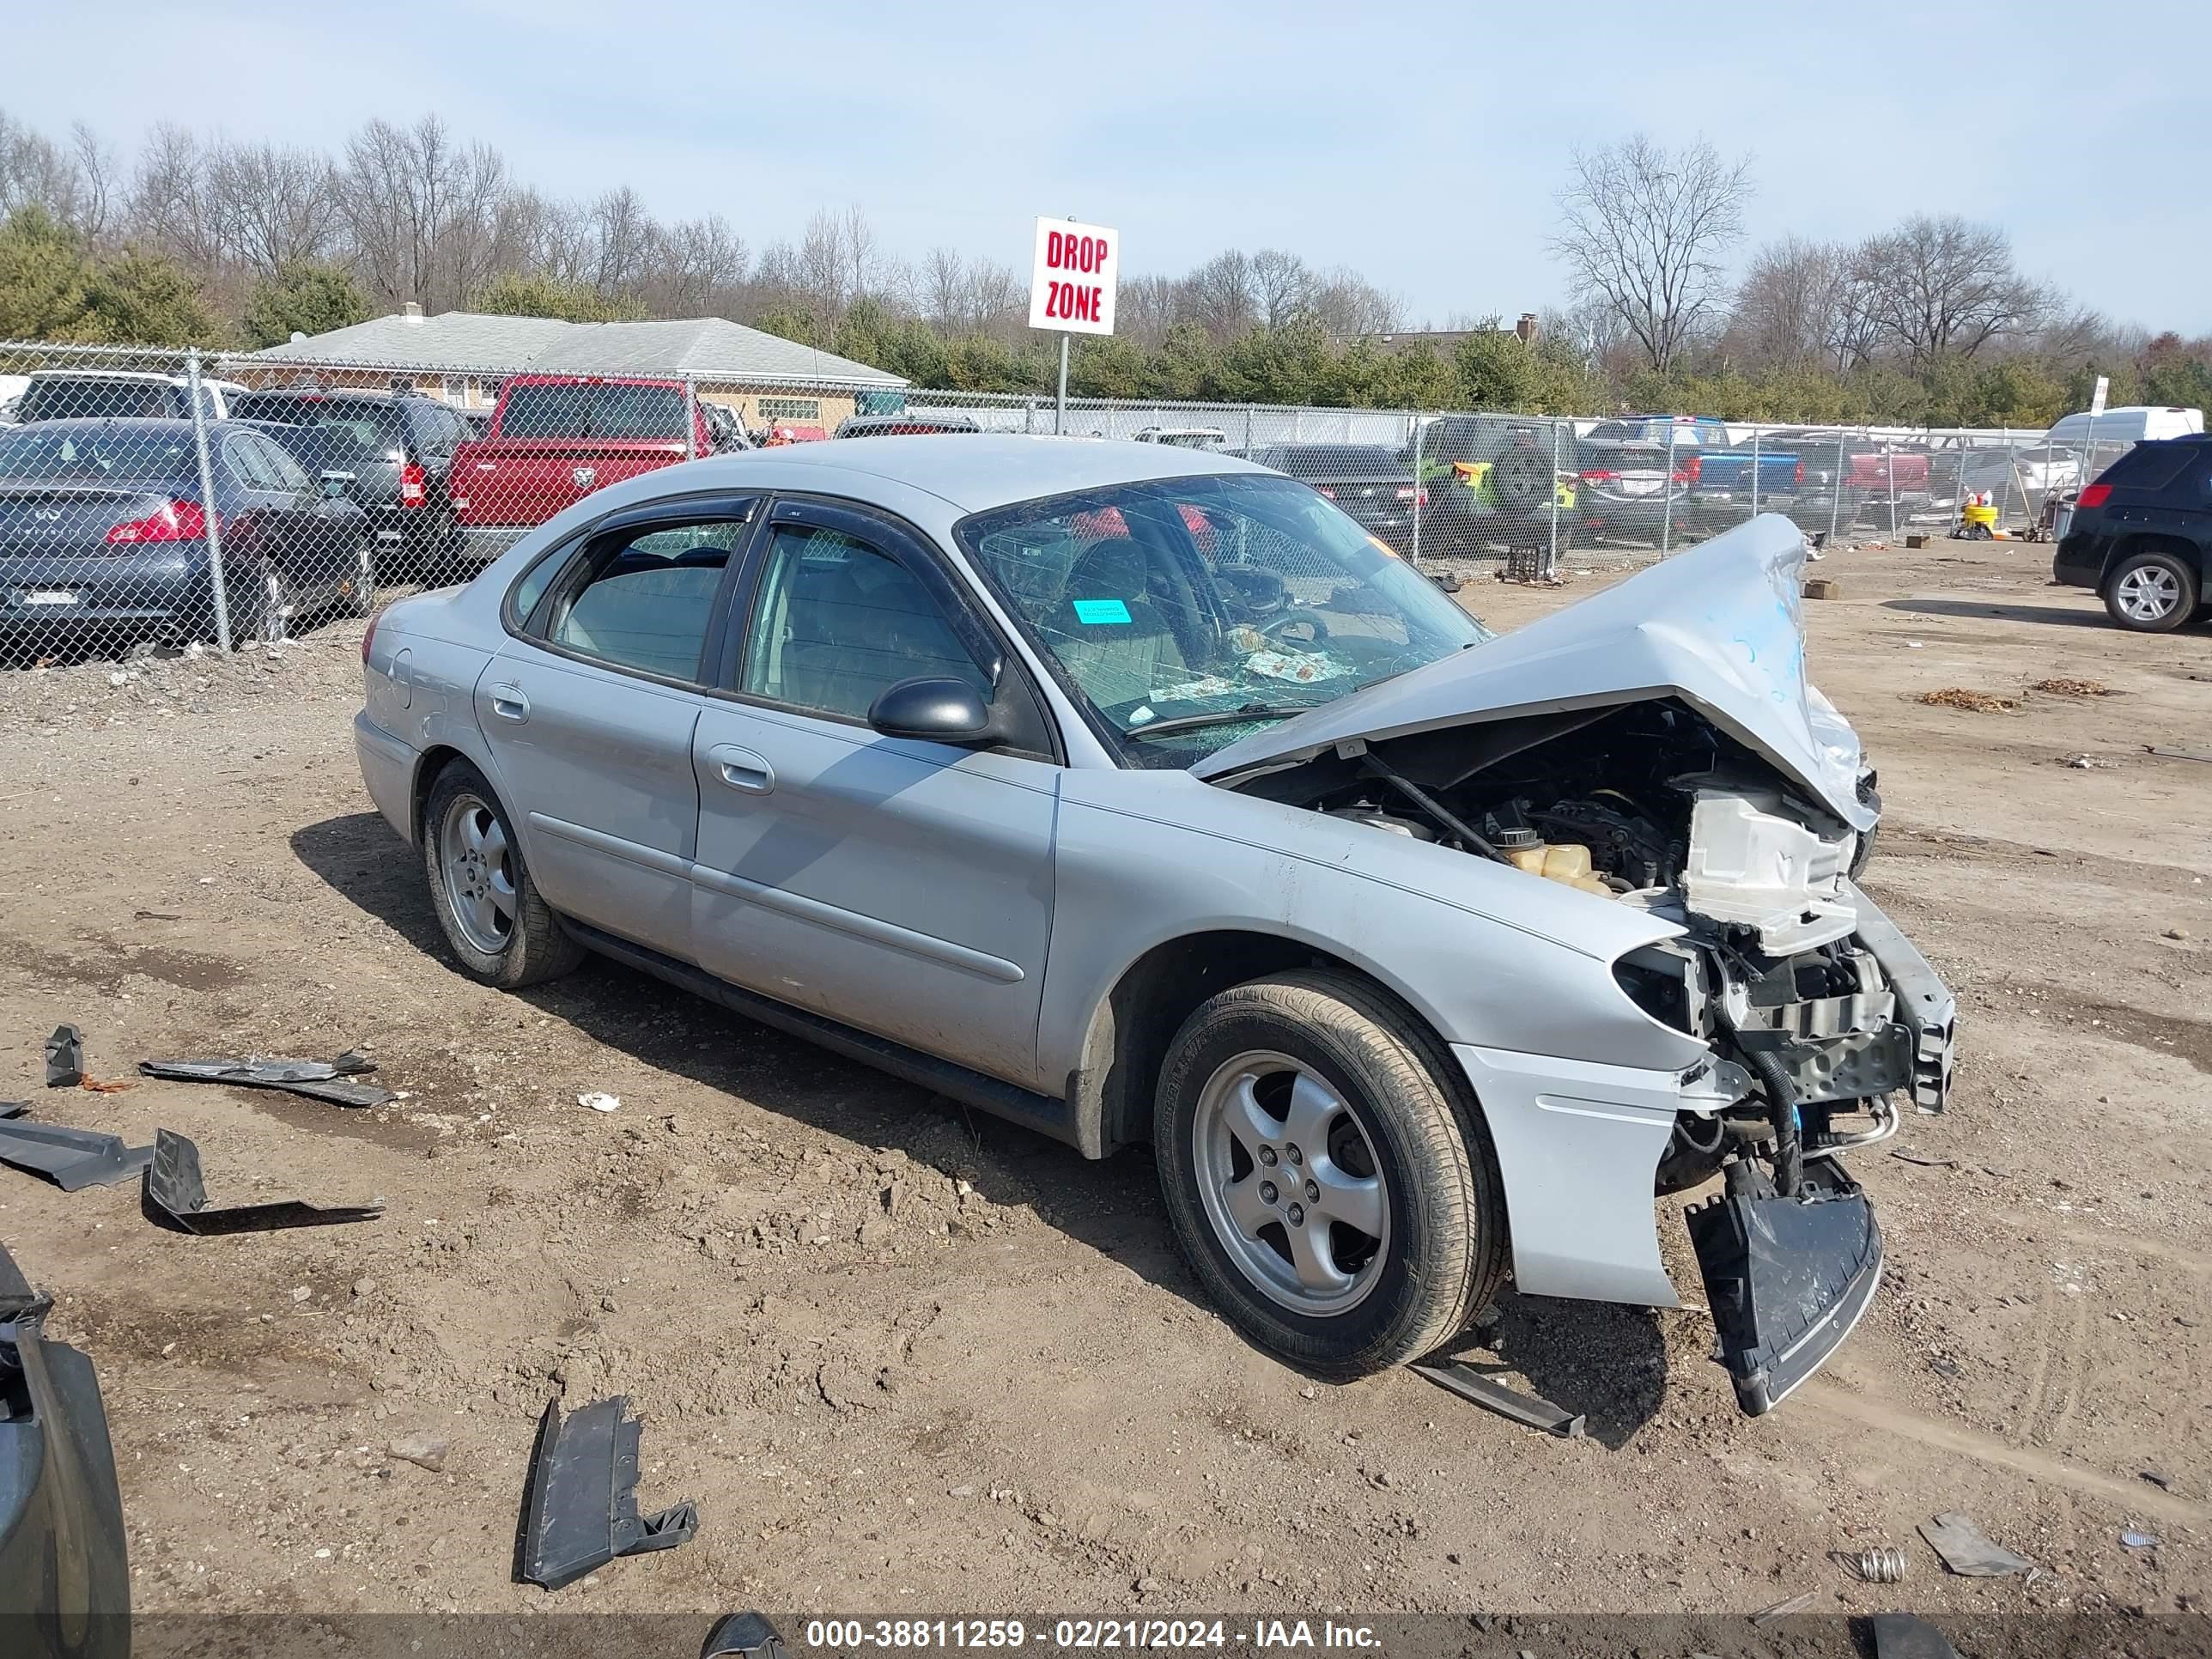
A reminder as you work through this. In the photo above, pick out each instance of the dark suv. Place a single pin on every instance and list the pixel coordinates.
(398, 447)
(2142, 535)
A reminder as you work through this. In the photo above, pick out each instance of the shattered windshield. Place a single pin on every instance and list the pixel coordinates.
(1191, 611)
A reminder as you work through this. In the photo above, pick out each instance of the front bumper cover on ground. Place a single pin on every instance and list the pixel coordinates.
(1787, 1277)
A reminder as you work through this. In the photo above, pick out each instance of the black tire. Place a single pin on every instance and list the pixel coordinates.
(2156, 563)
(537, 947)
(260, 603)
(1445, 1255)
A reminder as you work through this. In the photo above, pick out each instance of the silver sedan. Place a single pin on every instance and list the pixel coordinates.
(1135, 794)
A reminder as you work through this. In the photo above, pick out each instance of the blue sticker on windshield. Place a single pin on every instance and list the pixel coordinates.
(1101, 610)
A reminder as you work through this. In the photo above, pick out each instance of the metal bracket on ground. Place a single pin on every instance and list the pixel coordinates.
(319, 1079)
(70, 1158)
(581, 1510)
(175, 1195)
(64, 1058)
(1527, 1409)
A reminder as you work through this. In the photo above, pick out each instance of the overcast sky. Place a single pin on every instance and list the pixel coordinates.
(1420, 144)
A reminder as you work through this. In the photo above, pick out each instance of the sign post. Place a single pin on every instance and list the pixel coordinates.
(1073, 275)
(2088, 469)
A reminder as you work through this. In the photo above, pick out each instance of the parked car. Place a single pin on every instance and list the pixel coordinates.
(2142, 535)
(1492, 482)
(1634, 489)
(556, 438)
(104, 527)
(399, 448)
(903, 425)
(2129, 423)
(65, 1554)
(1134, 794)
(1183, 437)
(1373, 485)
(1678, 432)
(1872, 472)
(72, 394)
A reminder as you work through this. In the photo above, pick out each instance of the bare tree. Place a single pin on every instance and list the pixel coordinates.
(698, 266)
(72, 184)
(430, 219)
(272, 207)
(1644, 227)
(1221, 294)
(1943, 286)
(623, 237)
(173, 205)
(1346, 306)
(1282, 287)
(94, 164)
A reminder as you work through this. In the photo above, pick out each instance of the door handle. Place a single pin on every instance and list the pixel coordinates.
(741, 769)
(509, 704)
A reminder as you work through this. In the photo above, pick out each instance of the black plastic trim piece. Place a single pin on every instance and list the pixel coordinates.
(64, 1058)
(319, 1079)
(582, 1509)
(69, 1158)
(175, 1195)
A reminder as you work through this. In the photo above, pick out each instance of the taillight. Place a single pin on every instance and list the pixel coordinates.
(1419, 497)
(179, 521)
(414, 487)
(1593, 475)
(1800, 472)
(1696, 471)
(2095, 495)
(1680, 478)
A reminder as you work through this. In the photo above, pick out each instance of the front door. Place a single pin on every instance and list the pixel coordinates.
(590, 718)
(903, 887)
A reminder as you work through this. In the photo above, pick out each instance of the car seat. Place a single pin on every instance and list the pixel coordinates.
(1115, 650)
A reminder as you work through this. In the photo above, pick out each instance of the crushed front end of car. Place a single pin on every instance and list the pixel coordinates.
(1657, 747)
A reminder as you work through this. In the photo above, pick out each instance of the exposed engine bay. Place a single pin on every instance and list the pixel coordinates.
(1649, 804)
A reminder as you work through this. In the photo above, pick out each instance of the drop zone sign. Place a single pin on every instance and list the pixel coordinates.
(1071, 279)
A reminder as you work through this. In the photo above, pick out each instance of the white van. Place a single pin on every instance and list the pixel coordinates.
(2132, 423)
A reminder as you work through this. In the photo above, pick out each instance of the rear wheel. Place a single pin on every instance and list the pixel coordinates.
(1337, 1200)
(2151, 593)
(359, 598)
(504, 934)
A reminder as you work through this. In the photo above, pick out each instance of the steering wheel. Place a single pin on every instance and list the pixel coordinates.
(1313, 620)
(1252, 591)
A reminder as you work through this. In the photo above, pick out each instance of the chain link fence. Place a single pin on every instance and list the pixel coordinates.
(153, 499)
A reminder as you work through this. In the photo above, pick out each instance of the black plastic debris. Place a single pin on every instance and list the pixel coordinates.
(69, 1158)
(1787, 1277)
(1968, 1551)
(581, 1510)
(1901, 1635)
(320, 1079)
(175, 1195)
(64, 1058)
(746, 1635)
(13, 1107)
(1533, 1410)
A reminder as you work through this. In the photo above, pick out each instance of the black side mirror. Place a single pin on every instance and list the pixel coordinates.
(935, 711)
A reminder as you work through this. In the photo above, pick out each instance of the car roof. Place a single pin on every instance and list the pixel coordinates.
(990, 470)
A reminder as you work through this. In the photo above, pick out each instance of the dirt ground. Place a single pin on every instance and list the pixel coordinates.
(908, 1361)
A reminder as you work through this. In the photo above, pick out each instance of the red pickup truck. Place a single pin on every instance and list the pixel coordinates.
(554, 439)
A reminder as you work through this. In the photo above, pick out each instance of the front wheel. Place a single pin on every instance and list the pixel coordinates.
(504, 934)
(1340, 1205)
(2151, 593)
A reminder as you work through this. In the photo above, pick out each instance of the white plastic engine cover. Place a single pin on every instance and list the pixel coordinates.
(1750, 865)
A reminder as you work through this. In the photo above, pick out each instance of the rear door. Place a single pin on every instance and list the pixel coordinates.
(903, 887)
(589, 710)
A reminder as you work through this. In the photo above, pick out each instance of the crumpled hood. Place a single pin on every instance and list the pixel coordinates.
(1720, 626)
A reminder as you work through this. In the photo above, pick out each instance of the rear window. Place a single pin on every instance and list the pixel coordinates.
(79, 454)
(358, 431)
(93, 398)
(594, 411)
(2150, 467)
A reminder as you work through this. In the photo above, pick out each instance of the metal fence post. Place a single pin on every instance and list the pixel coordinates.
(1889, 467)
(1836, 491)
(691, 419)
(1754, 473)
(2004, 501)
(1667, 509)
(207, 502)
(1553, 562)
(1420, 488)
(1247, 431)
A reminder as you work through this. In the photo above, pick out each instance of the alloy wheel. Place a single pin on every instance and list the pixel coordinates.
(477, 867)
